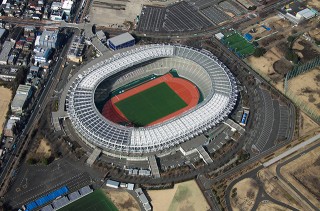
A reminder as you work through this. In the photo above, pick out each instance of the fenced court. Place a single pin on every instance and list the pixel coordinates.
(237, 43)
(95, 201)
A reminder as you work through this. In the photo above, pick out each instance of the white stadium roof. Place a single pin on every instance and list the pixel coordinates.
(213, 78)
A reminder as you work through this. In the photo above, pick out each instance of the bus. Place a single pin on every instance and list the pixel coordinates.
(244, 118)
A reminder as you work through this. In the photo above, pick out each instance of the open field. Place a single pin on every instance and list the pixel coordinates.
(95, 201)
(304, 174)
(122, 199)
(269, 206)
(151, 104)
(274, 189)
(102, 14)
(306, 124)
(184, 196)
(314, 3)
(244, 194)
(44, 148)
(4, 103)
(264, 64)
(307, 87)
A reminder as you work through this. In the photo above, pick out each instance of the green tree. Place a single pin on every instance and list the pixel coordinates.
(31, 161)
(292, 56)
(259, 52)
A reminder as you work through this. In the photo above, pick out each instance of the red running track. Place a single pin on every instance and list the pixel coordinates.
(186, 90)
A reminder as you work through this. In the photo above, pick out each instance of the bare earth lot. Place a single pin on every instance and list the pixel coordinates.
(307, 87)
(122, 199)
(5, 97)
(269, 206)
(304, 174)
(244, 194)
(274, 189)
(44, 148)
(184, 196)
(102, 14)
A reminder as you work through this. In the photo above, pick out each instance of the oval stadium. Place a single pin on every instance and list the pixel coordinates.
(149, 99)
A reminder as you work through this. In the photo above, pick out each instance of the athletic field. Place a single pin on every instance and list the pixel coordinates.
(95, 201)
(150, 105)
(239, 44)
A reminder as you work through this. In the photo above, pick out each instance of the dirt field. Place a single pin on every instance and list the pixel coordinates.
(269, 206)
(307, 87)
(122, 199)
(304, 174)
(314, 3)
(306, 125)
(274, 189)
(103, 16)
(44, 148)
(264, 64)
(4, 102)
(244, 194)
(184, 196)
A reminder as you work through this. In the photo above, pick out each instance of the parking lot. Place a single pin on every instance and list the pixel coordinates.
(32, 182)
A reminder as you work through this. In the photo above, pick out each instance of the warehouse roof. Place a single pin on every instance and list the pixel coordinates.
(122, 38)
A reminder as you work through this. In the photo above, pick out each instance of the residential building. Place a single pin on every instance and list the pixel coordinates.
(6, 50)
(50, 39)
(8, 74)
(16, 34)
(43, 55)
(3, 34)
(75, 52)
(23, 93)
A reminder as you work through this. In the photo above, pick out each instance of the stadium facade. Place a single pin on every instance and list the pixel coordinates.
(213, 78)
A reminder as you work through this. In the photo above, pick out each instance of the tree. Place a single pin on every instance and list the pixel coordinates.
(292, 56)
(45, 161)
(31, 161)
(254, 7)
(259, 52)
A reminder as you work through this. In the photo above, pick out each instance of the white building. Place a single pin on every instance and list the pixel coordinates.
(112, 184)
(20, 99)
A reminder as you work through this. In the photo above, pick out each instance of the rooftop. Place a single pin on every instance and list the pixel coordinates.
(122, 38)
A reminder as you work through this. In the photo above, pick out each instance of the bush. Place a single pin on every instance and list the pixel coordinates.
(259, 52)
(254, 7)
(32, 161)
(292, 56)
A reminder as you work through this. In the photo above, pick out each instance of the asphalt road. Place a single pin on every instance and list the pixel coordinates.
(36, 114)
(261, 196)
(279, 175)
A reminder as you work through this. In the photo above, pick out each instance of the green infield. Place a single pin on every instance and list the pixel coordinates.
(95, 201)
(150, 105)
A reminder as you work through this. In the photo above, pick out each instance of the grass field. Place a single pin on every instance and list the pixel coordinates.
(239, 44)
(96, 201)
(150, 105)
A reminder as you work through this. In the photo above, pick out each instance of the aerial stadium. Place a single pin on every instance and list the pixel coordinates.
(149, 99)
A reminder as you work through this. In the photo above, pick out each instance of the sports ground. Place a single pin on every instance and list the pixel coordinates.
(152, 102)
(239, 44)
(95, 201)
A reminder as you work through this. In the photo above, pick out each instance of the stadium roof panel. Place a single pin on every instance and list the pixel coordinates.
(213, 78)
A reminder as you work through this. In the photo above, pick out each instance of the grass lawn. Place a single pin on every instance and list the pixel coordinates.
(150, 105)
(95, 201)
